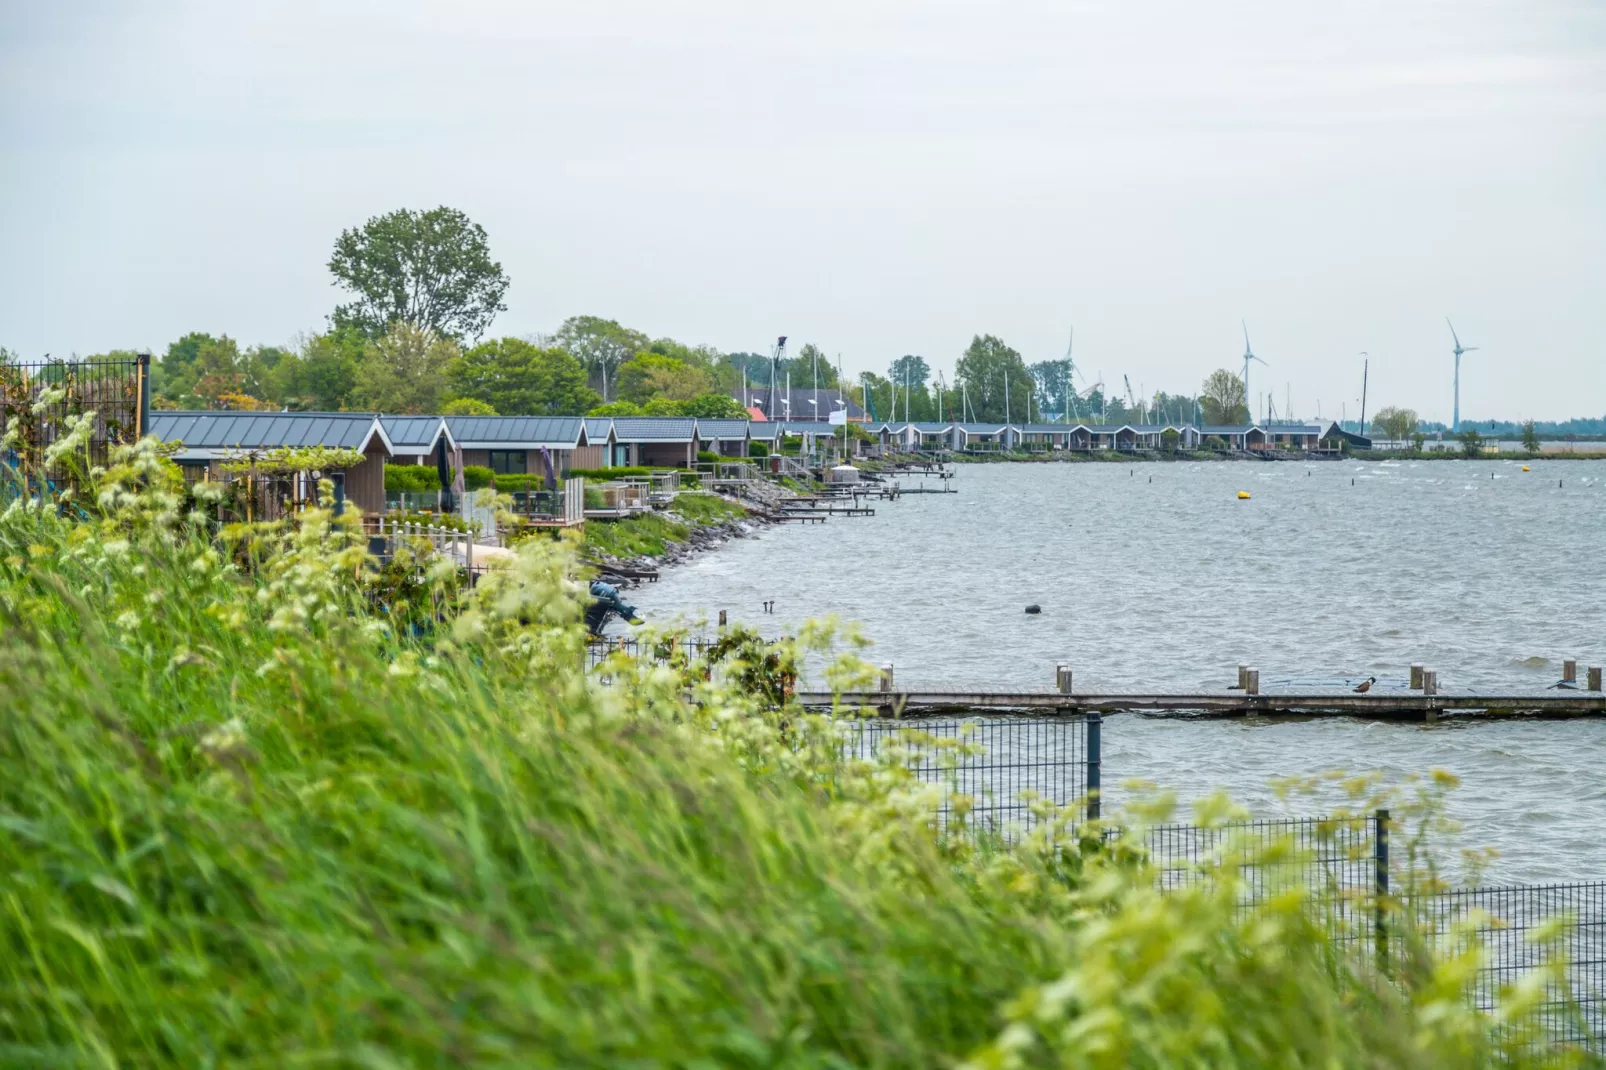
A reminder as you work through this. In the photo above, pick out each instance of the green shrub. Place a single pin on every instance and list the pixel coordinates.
(477, 476)
(709, 457)
(412, 478)
(758, 449)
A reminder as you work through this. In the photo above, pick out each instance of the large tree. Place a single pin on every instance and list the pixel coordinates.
(1054, 385)
(432, 270)
(649, 375)
(600, 345)
(810, 368)
(515, 377)
(1222, 399)
(995, 381)
(1397, 424)
(405, 371)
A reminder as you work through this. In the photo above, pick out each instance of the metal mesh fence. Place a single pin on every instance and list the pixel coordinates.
(1013, 759)
(1337, 859)
(1559, 930)
(1511, 924)
(39, 400)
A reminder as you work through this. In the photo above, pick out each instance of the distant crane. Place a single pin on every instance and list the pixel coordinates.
(1455, 422)
(777, 355)
(1131, 399)
(1249, 355)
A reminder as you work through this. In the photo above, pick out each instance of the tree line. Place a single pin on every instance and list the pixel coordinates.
(423, 290)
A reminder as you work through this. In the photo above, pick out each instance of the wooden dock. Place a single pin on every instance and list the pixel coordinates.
(1402, 704)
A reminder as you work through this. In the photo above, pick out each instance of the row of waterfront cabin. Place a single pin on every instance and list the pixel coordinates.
(1247, 437)
(505, 444)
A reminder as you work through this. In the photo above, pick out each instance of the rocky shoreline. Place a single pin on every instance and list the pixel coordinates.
(702, 539)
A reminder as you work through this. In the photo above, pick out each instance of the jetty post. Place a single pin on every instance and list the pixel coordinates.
(1251, 681)
(1062, 678)
(1569, 671)
(1416, 676)
(1594, 677)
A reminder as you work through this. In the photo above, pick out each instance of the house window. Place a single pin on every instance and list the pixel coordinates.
(508, 462)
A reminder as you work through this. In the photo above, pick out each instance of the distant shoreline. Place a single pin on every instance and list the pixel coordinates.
(1116, 457)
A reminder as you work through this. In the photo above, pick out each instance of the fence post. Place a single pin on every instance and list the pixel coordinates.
(1380, 860)
(144, 421)
(1095, 732)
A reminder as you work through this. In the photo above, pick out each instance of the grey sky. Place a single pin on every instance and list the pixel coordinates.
(876, 177)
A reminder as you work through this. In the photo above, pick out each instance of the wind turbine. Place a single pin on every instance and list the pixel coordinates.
(1249, 355)
(1455, 422)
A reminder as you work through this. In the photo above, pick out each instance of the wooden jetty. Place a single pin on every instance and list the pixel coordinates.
(1385, 706)
(1419, 700)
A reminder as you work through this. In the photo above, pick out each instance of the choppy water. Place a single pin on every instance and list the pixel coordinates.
(1158, 576)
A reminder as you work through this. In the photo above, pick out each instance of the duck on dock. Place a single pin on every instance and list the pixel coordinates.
(1365, 685)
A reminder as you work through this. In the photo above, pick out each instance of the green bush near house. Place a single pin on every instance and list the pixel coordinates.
(758, 449)
(709, 457)
(412, 478)
(477, 476)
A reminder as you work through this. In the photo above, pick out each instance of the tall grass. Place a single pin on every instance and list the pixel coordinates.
(247, 820)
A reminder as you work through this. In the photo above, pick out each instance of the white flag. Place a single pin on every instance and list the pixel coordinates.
(839, 416)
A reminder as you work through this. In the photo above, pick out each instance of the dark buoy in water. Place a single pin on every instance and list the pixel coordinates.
(1151, 479)
(1034, 608)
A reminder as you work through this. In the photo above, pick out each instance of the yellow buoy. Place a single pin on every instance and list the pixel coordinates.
(1243, 495)
(1525, 468)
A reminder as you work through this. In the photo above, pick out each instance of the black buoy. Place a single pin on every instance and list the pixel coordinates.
(1034, 608)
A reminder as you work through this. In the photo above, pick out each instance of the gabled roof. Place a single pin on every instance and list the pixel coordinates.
(805, 427)
(598, 429)
(654, 428)
(724, 430)
(212, 434)
(982, 429)
(416, 434)
(516, 432)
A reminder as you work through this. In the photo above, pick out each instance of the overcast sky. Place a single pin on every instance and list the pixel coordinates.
(876, 177)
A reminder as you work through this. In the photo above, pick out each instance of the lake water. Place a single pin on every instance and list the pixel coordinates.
(1156, 576)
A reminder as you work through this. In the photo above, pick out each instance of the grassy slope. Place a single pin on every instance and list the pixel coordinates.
(648, 535)
(244, 825)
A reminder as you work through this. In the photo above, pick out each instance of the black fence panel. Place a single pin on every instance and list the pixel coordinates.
(1019, 758)
(114, 391)
(1508, 922)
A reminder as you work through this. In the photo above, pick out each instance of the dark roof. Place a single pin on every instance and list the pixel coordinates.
(654, 428)
(516, 432)
(214, 432)
(802, 408)
(597, 428)
(414, 434)
(981, 429)
(721, 429)
(1360, 442)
